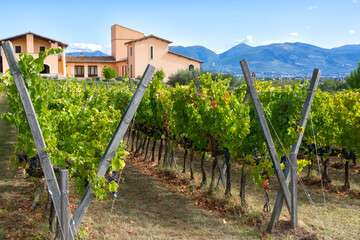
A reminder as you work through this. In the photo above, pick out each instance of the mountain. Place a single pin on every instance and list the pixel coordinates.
(197, 52)
(96, 53)
(279, 59)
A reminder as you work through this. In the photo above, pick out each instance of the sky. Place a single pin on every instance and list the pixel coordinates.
(217, 25)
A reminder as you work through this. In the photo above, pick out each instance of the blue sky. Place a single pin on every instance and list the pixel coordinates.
(217, 25)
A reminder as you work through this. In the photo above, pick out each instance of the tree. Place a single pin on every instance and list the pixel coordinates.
(354, 79)
(109, 73)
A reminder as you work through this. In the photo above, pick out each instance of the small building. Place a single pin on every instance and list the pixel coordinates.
(32, 43)
(131, 51)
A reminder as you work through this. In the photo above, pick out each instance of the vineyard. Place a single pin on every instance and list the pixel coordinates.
(209, 124)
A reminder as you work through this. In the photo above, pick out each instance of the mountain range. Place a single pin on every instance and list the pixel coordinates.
(96, 53)
(278, 59)
(274, 60)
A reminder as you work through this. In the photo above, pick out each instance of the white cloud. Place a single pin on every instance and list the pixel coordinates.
(248, 39)
(355, 1)
(217, 51)
(294, 34)
(312, 7)
(84, 47)
(352, 31)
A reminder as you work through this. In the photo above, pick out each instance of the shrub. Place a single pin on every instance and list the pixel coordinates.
(108, 73)
(354, 79)
(120, 78)
(112, 80)
(160, 74)
(182, 77)
(88, 79)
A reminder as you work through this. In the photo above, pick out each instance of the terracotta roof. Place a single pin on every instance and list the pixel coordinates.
(146, 37)
(180, 55)
(91, 59)
(35, 36)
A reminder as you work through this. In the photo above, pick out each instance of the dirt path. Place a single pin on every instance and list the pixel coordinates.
(7, 134)
(146, 209)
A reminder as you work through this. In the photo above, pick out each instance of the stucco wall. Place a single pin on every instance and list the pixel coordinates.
(168, 62)
(119, 36)
(20, 42)
(38, 43)
(70, 68)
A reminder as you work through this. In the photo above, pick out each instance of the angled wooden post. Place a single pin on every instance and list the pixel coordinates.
(47, 167)
(266, 132)
(113, 146)
(291, 166)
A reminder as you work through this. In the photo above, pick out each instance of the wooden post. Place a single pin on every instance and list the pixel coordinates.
(219, 179)
(197, 83)
(291, 166)
(64, 187)
(131, 84)
(47, 167)
(113, 146)
(266, 132)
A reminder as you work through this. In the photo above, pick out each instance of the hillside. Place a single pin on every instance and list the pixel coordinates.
(280, 59)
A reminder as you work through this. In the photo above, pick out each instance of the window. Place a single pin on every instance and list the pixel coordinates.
(122, 70)
(17, 49)
(46, 69)
(191, 67)
(79, 71)
(131, 73)
(130, 51)
(126, 70)
(92, 71)
(151, 52)
(117, 71)
(42, 49)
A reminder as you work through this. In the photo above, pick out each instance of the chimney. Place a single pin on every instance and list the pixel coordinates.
(81, 54)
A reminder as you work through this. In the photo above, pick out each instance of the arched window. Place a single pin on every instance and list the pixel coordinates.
(46, 69)
(191, 67)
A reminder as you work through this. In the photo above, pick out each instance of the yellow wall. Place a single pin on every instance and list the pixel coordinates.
(119, 36)
(70, 68)
(20, 42)
(169, 63)
(38, 43)
(30, 44)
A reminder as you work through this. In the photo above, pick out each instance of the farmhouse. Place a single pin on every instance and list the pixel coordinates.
(32, 43)
(131, 51)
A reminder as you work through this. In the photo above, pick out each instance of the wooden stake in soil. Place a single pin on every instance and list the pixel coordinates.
(113, 145)
(47, 167)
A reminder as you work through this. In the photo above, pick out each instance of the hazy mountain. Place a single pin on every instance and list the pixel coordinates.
(197, 52)
(295, 59)
(96, 53)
